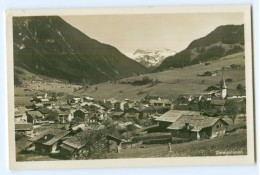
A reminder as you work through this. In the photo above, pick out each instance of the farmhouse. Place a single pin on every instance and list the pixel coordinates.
(34, 117)
(65, 116)
(197, 127)
(132, 116)
(88, 99)
(24, 128)
(45, 101)
(74, 143)
(75, 100)
(120, 105)
(49, 140)
(79, 115)
(117, 115)
(171, 116)
(23, 144)
(161, 103)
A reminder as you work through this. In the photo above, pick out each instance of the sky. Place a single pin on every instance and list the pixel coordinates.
(157, 31)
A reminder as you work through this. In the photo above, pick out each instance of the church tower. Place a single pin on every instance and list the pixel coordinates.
(223, 88)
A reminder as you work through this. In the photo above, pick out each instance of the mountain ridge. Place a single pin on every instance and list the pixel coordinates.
(150, 58)
(49, 46)
(224, 40)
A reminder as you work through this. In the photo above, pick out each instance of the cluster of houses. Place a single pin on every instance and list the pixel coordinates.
(184, 118)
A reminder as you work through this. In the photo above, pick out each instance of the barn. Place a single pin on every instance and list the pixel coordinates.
(197, 127)
(171, 116)
(49, 140)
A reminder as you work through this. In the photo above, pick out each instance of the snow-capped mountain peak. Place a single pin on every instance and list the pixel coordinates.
(149, 57)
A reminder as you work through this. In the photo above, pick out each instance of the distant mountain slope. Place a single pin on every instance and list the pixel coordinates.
(150, 58)
(49, 46)
(224, 40)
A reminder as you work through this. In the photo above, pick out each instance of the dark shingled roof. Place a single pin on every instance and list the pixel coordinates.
(23, 127)
(77, 141)
(53, 135)
(173, 115)
(22, 144)
(196, 123)
(35, 114)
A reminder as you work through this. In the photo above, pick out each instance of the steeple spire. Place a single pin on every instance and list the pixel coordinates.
(223, 88)
(223, 84)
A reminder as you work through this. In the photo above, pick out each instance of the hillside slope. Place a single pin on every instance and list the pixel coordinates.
(49, 46)
(224, 40)
(174, 82)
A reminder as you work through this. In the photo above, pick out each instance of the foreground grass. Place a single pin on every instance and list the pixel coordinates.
(233, 144)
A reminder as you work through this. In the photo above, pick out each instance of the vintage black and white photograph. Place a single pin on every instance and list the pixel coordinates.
(133, 85)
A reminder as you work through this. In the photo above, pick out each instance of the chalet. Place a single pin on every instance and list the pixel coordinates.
(37, 106)
(115, 141)
(65, 117)
(45, 102)
(19, 115)
(80, 115)
(64, 107)
(120, 106)
(23, 144)
(193, 127)
(171, 116)
(49, 140)
(96, 108)
(74, 143)
(34, 117)
(88, 99)
(118, 115)
(86, 104)
(132, 116)
(75, 100)
(161, 103)
(24, 128)
(45, 111)
(111, 102)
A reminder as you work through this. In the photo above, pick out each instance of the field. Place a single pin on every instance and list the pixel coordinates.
(232, 144)
(172, 83)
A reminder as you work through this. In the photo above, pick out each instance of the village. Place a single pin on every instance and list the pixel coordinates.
(86, 128)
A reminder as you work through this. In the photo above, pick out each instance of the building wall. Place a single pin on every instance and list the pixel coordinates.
(218, 129)
(183, 133)
(42, 148)
(163, 125)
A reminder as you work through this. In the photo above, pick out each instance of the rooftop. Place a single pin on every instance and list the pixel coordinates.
(53, 135)
(23, 126)
(196, 123)
(173, 115)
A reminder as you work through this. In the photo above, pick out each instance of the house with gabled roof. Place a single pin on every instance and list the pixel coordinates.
(24, 128)
(34, 117)
(49, 140)
(74, 143)
(171, 116)
(193, 127)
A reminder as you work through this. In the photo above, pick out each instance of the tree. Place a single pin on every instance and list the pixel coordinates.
(95, 147)
(52, 116)
(240, 87)
(232, 109)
